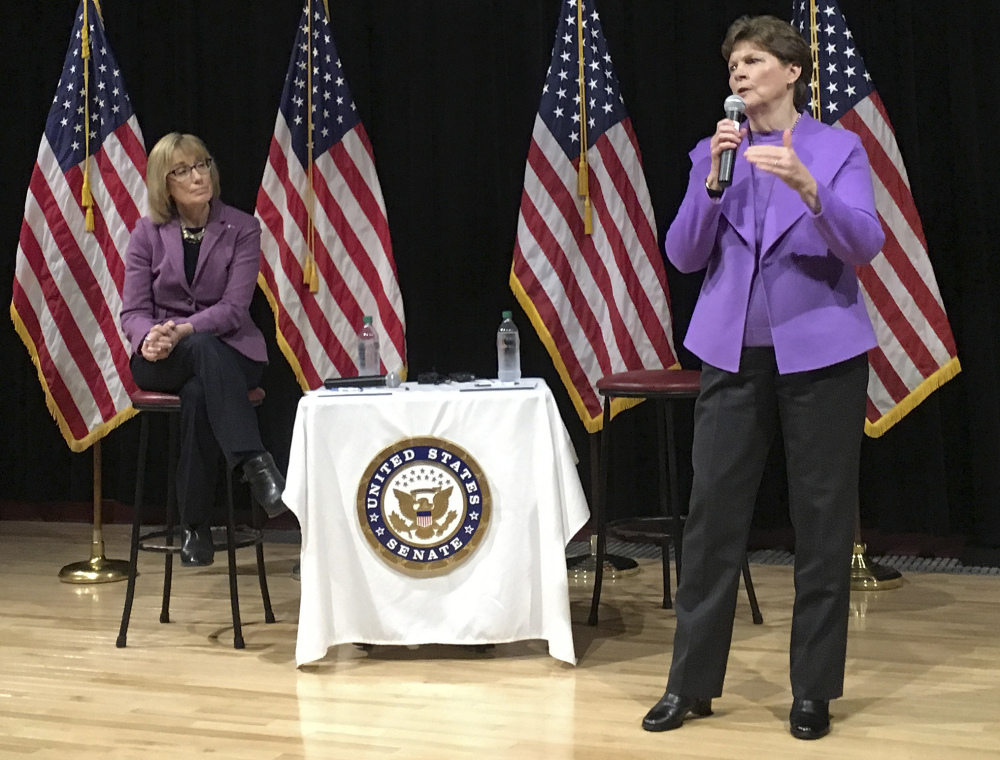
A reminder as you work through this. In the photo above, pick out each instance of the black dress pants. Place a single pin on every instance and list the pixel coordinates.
(821, 413)
(212, 380)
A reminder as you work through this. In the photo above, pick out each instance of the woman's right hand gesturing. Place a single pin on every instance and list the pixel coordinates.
(727, 136)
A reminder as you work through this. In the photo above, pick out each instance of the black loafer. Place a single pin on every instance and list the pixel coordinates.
(197, 549)
(266, 483)
(809, 718)
(669, 713)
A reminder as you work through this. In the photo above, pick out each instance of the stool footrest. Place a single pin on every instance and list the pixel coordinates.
(642, 529)
(155, 541)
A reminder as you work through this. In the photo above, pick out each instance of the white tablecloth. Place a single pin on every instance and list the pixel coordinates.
(513, 586)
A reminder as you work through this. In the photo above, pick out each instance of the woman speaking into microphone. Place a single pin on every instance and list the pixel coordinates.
(782, 332)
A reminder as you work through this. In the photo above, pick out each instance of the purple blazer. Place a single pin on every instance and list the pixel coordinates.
(807, 262)
(218, 299)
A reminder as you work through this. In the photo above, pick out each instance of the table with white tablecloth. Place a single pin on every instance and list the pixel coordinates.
(510, 585)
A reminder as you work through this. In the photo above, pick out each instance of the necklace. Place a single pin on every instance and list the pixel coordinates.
(794, 125)
(192, 234)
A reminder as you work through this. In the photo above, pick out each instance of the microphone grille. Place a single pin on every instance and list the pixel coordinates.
(734, 103)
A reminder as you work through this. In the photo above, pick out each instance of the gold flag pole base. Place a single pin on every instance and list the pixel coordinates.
(871, 576)
(97, 569)
(583, 568)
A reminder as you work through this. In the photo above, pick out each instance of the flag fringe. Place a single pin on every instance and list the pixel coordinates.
(917, 395)
(283, 344)
(592, 423)
(75, 444)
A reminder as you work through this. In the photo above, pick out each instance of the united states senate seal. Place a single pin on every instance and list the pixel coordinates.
(424, 505)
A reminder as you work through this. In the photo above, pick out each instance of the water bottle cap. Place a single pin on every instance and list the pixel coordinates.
(366, 320)
(507, 314)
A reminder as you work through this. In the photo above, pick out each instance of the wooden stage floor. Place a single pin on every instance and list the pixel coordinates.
(923, 676)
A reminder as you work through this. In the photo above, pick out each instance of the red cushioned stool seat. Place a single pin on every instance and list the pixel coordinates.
(155, 401)
(651, 383)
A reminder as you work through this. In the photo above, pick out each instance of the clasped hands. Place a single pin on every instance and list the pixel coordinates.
(161, 339)
(779, 160)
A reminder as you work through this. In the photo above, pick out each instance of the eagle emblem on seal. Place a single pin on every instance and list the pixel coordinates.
(420, 516)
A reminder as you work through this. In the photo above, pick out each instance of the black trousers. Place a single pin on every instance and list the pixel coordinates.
(212, 380)
(821, 414)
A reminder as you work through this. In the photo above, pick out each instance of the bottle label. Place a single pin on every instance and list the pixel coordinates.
(368, 356)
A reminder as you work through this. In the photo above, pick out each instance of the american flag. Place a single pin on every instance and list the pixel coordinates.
(599, 302)
(68, 280)
(326, 257)
(916, 351)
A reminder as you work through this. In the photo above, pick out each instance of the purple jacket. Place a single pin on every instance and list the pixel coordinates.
(218, 299)
(817, 314)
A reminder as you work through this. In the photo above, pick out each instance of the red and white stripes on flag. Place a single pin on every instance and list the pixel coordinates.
(68, 280)
(599, 302)
(326, 256)
(916, 352)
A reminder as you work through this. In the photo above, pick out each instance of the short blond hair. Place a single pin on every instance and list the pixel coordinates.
(159, 164)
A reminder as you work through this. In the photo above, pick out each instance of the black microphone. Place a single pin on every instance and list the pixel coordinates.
(734, 106)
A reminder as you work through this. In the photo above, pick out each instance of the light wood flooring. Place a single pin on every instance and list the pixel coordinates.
(923, 675)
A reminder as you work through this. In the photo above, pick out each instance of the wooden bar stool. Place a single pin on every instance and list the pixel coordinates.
(664, 387)
(162, 541)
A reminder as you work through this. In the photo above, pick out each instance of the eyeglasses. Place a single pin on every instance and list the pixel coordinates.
(183, 171)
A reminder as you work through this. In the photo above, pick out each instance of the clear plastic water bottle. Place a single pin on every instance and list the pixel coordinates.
(368, 358)
(508, 350)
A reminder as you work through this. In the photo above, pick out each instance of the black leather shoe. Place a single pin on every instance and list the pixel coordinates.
(197, 549)
(669, 713)
(809, 718)
(266, 483)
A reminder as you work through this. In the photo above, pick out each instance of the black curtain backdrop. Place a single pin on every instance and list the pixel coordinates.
(448, 91)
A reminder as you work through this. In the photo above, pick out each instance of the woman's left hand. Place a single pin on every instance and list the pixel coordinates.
(783, 163)
(161, 339)
(176, 331)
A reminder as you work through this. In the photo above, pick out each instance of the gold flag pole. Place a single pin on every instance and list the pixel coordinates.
(309, 274)
(866, 575)
(97, 569)
(582, 568)
(814, 49)
(86, 197)
(583, 175)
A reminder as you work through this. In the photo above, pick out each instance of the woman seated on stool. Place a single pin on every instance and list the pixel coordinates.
(190, 272)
